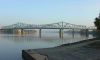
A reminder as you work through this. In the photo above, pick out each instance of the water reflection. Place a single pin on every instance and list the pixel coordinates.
(67, 38)
(11, 45)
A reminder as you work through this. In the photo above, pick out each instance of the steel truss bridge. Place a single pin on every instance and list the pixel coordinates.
(59, 25)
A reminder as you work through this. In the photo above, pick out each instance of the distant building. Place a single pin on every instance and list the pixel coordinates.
(99, 15)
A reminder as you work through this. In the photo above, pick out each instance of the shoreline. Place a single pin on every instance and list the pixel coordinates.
(93, 39)
(58, 51)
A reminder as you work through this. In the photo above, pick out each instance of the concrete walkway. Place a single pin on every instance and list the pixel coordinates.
(71, 52)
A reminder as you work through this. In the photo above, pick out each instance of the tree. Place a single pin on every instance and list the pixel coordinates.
(97, 23)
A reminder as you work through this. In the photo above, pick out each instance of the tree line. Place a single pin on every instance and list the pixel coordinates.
(97, 23)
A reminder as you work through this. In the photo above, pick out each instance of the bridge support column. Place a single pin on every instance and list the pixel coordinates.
(93, 31)
(22, 31)
(60, 32)
(11, 31)
(8, 31)
(40, 32)
(29, 31)
(73, 33)
(5, 31)
(86, 31)
(0, 31)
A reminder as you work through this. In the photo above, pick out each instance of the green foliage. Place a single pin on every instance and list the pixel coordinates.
(97, 23)
(98, 42)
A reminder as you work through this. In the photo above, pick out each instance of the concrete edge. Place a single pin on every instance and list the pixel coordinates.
(26, 56)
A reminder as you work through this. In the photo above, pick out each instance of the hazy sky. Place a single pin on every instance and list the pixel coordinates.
(79, 12)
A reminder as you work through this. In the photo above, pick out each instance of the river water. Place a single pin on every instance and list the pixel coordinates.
(11, 45)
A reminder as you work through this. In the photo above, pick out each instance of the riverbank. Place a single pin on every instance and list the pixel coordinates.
(95, 45)
(80, 42)
(74, 51)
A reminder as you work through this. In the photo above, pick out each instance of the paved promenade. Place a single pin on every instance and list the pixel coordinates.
(71, 52)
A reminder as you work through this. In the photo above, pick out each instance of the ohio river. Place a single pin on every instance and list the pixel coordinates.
(11, 45)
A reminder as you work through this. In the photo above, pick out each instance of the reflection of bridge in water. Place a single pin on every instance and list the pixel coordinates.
(20, 39)
(59, 25)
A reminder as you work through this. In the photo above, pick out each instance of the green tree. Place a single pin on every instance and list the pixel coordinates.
(97, 23)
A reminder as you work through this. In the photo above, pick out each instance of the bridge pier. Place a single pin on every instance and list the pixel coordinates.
(2, 31)
(5, 31)
(22, 31)
(29, 31)
(40, 32)
(60, 32)
(93, 31)
(86, 31)
(73, 33)
(11, 31)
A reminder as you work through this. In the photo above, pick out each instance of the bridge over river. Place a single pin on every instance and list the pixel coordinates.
(59, 25)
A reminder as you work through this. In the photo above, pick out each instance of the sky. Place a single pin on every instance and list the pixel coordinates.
(79, 12)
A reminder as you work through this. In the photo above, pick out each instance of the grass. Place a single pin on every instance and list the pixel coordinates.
(98, 43)
(95, 45)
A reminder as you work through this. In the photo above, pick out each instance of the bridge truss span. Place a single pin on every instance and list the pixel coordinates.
(59, 25)
(92, 27)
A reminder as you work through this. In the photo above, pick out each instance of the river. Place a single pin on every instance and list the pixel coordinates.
(11, 45)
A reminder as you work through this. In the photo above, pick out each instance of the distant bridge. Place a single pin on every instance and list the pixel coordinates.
(59, 25)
